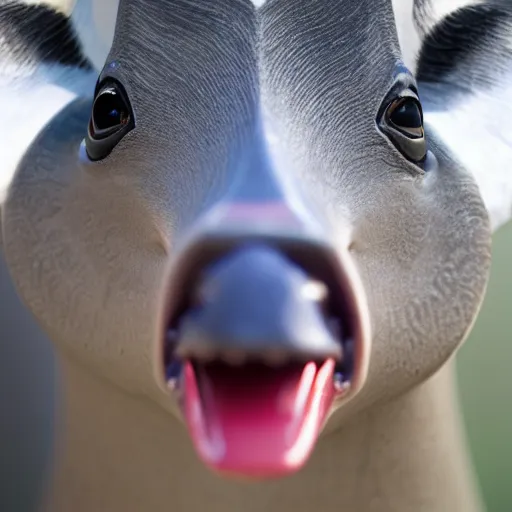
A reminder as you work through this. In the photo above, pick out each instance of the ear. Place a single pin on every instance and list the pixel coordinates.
(94, 22)
(464, 75)
(42, 69)
(415, 18)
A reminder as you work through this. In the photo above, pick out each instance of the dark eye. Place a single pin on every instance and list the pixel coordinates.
(111, 119)
(109, 111)
(405, 115)
(402, 122)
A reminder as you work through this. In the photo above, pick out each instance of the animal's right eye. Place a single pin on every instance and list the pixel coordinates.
(406, 116)
(402, 122)
(111, 119)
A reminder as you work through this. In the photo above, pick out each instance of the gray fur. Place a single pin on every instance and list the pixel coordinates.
(173, 62)
(89, 244)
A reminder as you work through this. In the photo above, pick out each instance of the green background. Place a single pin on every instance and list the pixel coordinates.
(484, 367)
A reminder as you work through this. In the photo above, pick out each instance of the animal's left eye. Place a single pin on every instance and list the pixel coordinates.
(111, 119)
(109, 112)
(402, 122)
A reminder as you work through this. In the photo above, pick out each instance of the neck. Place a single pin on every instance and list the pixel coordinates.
(121, 453)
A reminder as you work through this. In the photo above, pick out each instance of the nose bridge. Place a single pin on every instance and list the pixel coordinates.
(263, 199)
(255, 174)
(244, 250)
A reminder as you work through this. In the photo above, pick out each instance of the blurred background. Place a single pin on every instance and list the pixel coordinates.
(484, 367)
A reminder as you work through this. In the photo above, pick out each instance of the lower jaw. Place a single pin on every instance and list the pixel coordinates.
(254, 421)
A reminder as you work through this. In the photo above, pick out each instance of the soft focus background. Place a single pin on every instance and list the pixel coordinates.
(485, 364)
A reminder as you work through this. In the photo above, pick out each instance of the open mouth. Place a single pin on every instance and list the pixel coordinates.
(256, 352)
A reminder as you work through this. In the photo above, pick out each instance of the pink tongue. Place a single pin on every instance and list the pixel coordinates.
(255, 421)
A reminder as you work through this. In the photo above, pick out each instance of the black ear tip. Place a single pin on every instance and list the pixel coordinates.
(461, 34)
(38, 31)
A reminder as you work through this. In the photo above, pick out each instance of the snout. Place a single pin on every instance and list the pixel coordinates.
(265, 326)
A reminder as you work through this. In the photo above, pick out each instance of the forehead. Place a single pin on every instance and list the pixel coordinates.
(210, 66)
(353, 40)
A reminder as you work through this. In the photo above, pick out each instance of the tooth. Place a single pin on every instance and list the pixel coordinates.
(275, 358)
(172, 384)
(340, 385)
(234, 357)
(197, 352)
(205, 355)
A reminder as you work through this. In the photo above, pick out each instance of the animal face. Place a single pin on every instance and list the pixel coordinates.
(251, 202)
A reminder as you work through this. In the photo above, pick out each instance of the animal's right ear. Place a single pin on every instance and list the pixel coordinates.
(94, 22)
(416, 18)
(464, 75)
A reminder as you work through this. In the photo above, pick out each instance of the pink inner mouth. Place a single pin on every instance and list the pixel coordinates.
(258, 348)
(255, 421)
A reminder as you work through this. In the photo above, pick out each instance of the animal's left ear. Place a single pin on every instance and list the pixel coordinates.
(46, 71)
(464, 74)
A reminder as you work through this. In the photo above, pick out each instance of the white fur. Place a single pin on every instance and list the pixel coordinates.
(64, 6)
(28, 100)
(408, 37)
(478, 130)
(441, 8)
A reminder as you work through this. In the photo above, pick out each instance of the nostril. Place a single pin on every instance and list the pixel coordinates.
(253, 302)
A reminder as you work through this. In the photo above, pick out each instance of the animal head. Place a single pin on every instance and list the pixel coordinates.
(262, 214)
